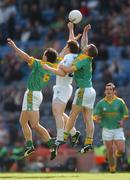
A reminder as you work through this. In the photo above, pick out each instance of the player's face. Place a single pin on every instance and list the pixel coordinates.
(109, 91)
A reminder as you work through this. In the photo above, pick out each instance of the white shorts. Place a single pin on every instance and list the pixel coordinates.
(32, 100)
(62, 93)
(112, 134)
(85, 97)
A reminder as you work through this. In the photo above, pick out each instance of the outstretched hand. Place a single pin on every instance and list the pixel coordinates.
(11, 43)
(78, 36)
(87, 27)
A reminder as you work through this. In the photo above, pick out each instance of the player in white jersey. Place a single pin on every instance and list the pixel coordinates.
(63, 88)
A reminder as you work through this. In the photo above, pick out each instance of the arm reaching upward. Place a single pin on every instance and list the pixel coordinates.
(71, 32)
(71, 37)
(20, 53)
(84, 39)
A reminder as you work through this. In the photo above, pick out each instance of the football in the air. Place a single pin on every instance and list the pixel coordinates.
(75, 16)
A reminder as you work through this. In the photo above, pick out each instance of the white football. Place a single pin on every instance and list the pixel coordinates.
(75, 16)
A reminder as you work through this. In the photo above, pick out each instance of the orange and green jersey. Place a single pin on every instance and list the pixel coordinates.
(38, 77)
(111, 112)
(83, 71)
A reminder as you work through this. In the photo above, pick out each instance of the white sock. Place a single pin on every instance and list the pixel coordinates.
(73, 131)
(60, 134)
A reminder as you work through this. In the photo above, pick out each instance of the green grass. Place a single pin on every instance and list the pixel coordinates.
(64, 176)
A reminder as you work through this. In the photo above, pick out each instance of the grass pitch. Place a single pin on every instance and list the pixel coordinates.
(64, 176)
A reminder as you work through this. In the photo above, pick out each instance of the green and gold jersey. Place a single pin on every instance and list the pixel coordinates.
(111, 112)
(83, 71)
(38, 77)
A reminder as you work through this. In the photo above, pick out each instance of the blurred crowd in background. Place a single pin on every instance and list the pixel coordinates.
(37, 24)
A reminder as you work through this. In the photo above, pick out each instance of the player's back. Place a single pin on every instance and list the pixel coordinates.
(67, 61)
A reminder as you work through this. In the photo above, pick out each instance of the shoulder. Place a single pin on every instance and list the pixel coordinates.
(101, 101)
(120, 100)
(83, 56)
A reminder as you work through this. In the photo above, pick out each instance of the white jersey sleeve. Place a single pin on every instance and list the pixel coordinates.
(67, 61)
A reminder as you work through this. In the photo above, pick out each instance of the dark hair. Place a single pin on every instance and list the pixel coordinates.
(51, 55)
(112, 85)
(74, 46)
(92, 51)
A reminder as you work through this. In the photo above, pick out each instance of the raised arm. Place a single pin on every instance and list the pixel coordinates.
(71, 32)
(71, 37)
(57, 71)
(20, 53)
(84, 39)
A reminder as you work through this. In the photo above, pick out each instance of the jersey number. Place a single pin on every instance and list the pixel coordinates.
(46, 77)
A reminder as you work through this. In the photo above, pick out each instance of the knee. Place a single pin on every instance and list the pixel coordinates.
(35, 126)
(90, 125)
(22, 122)
(57, 113)
(121, 150)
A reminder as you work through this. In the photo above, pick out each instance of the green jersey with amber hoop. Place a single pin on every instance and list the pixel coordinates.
(38, 77)
(83, 71)
(111, 112)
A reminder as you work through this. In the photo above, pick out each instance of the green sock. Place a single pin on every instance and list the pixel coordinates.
(50, 143)
(29, 144)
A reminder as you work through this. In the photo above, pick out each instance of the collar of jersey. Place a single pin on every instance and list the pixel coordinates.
(110, 101)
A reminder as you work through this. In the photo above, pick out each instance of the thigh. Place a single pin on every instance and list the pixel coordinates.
(119, 134)
(85, 97)
(107, 135)
(89, 98)
(32, 100)
(58, 106)
(75, 112)
(33, 118)
(24, 117)
(109, 146)
(63, 93)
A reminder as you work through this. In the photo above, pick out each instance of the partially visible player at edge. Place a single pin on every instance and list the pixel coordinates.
(85, 94)
(111, 112)
(37, 80)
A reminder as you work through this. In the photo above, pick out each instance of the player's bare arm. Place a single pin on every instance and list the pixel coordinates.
(69, 69)
(57, 71)
(84, 39)
(71, 37)
(20, 53)
(71, 32)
